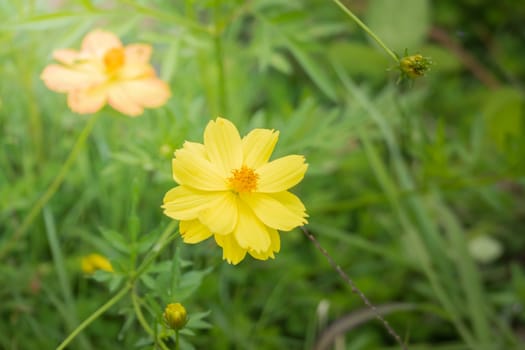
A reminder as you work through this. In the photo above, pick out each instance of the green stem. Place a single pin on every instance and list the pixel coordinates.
(177, 343)
(70, 313)
(142, 320)
(95, 315)
(59, 178)
(219, 59)
(367, 30)
(154, 252)
(139, 313)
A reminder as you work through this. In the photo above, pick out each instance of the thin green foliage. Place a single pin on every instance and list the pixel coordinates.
(404, 180)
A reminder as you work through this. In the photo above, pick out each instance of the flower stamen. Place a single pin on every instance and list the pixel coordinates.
(114, 59)
(243, 180)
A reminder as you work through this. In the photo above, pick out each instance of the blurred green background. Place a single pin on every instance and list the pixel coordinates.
(415, 188)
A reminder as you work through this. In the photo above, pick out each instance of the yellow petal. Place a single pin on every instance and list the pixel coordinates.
(281, 211)
(196, 148)
(86, 101)
(192, 170)
(138, 53)
(258, 146)
(149, 93)
(193, 231)
(92, 262)
(223, 145)
(276, 241)
(274, 247)
(97, 42)
(62, 79)
(184, 203)
(231, 251)
(221, 215)
(292, 202)
(250, 232)
(123, 102)
(281, 174)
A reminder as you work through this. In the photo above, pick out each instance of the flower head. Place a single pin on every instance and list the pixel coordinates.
(414, 66)
(175, 316)
(105, 71)
(93, 262)
(229, 189)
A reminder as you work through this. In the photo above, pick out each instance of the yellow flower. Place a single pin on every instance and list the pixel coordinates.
(93, 262)
(105, 71)
(175, 316)
(228, 189)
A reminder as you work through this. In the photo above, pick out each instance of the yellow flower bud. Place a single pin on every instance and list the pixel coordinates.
(414, 66)
(92, 262)
(175, 316)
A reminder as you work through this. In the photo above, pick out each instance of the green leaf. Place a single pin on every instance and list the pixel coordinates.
(503, 116)
(190, 282)
(116, 240)
(347, 54)
(314, 70)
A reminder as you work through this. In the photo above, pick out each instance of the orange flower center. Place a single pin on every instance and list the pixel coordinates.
(114, 59)
(243, 179)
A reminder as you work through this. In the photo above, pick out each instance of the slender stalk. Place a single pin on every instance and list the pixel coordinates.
(142, 319)
(70, 313)
(95, 315)
(177, 343)
(139, 313)
(367, 30)
(53, 187)
(421, 232)
(154, 252)
(219, 60)
(354, 288)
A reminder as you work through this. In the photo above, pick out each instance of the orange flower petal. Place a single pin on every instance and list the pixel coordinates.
(136, 72)
(138, 53)
(98, 42)
(86, 101)
(149, 93)
(62, 79)
(66, 56)
(119, 99)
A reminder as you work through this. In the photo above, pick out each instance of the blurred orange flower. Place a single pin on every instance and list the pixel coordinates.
(105, 71)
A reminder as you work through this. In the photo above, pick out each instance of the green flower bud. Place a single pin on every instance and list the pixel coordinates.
(93, 262)
(175, 316)
(414, 66)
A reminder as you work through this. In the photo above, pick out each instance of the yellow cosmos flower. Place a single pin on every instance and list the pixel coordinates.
(229, 189)
(93, 262)
(105, 71)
